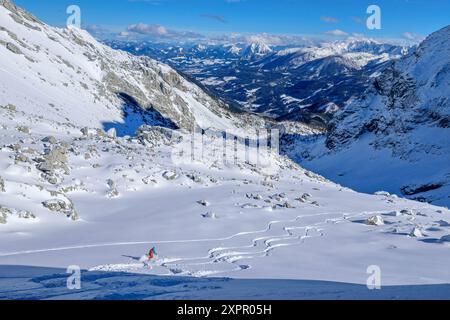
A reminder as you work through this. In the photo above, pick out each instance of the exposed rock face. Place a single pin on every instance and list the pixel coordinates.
(375, 221)
(149, 180)
(5, 212)
(10, 107)
(210, 215)
(203, 203)
(412, 190)
(13, 48)
(53, 160)
(416, 233)
(18, 13)
(170, 175)
(50, 140)
(113, 192)
(23, 129)
(112, 133)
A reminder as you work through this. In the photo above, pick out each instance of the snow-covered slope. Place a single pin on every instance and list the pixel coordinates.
(71, 195)
(66, 74)
(397, 136)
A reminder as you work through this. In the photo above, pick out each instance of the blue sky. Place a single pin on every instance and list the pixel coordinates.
(177, 18)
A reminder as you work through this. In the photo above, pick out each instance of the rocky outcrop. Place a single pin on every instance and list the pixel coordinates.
(155, 136)
(61, 206)
(54, 164)
(6, 212)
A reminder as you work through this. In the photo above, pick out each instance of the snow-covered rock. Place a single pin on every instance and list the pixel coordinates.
(204, 203)
(61, 206)
(375, 221)
(210, 215)
(416, 233)
(170, 175)
(112, 133)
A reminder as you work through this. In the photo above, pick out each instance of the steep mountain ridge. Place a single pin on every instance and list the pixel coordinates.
(402, 124)
(413, 90)
(360, 51)
(69, 75)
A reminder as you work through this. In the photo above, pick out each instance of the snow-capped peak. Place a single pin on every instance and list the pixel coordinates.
(233, 49)
(200, 47)
(431, 59)
(257, 49)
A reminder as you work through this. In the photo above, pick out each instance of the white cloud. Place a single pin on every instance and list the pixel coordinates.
(148, 29)
(144, 31)
(95, 29)
(358, 35)
(124, 34)
(269, 39)
(337, 33)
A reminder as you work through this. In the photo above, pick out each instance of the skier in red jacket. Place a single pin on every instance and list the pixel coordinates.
(152, 253)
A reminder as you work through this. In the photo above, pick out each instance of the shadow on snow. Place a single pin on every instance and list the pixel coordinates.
(26, 282)
(135, 116)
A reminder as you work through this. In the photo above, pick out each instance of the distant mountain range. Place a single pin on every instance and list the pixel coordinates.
(306, 84)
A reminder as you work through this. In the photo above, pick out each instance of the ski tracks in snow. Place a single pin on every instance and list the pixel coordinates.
(226, 258)
(237, 251)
